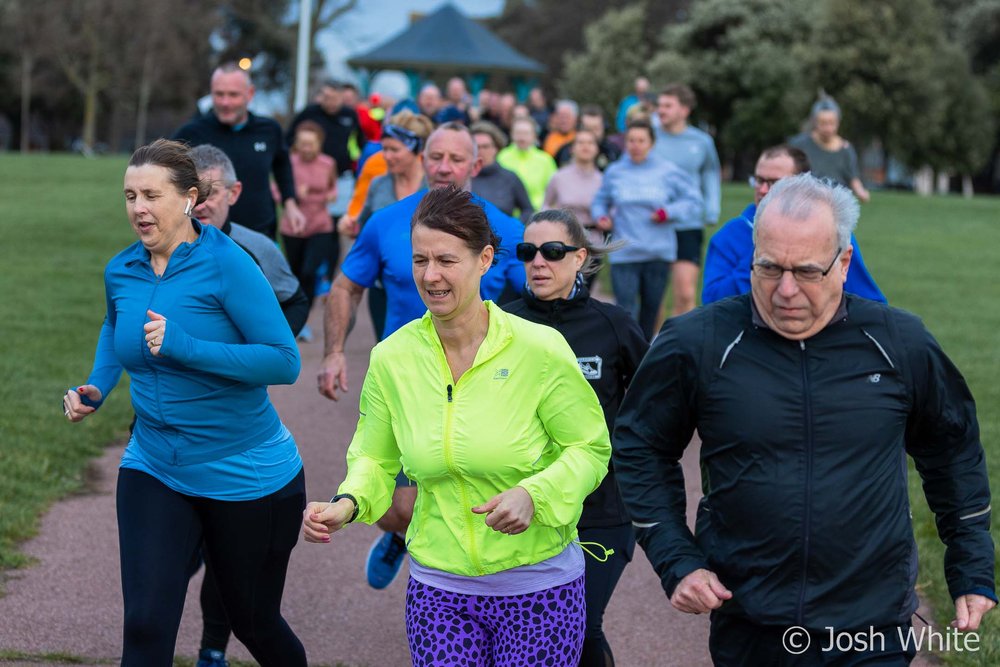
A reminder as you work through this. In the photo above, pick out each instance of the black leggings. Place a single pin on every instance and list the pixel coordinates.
(215, 628)
(601, 579)
(247, 544)
(306, 255)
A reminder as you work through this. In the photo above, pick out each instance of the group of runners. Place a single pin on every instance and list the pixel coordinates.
(483, 446)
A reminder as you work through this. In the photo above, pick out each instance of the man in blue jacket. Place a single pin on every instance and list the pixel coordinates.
(727, 264)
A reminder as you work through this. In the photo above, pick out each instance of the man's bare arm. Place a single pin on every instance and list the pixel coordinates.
(341, 308)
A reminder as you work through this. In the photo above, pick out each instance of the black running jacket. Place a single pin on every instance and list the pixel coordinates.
(806, 515)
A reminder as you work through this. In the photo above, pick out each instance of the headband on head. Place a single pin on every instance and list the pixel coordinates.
(409, 139)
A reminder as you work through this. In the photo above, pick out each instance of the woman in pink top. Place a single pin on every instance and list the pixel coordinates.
(573, 187)
(315, 187)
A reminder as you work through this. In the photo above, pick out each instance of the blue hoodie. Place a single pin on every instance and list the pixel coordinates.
(631, 192)
(205, 397)
(730, 252)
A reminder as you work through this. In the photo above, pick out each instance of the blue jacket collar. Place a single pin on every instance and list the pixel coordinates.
(137, 252)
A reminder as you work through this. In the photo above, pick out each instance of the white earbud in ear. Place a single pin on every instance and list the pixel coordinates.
(189, 207)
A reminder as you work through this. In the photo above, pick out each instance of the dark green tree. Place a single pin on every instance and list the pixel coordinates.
(546, 30)
(963, 140)
(879, 61)
(744, 60)
(615, 51)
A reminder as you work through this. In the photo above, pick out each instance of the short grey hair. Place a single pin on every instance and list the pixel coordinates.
(207, 156)
(568, 104)
(430, 85)
(453, 126)
(796, 197)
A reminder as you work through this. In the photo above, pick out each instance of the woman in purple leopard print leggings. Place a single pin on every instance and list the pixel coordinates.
(491, 417)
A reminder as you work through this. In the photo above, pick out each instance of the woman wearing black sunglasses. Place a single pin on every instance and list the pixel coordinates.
(609, 346)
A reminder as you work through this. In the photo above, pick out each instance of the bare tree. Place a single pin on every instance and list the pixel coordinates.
(85, 37)
(26, 27)
(172, 48)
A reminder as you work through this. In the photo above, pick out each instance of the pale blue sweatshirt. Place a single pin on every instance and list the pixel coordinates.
(630, 193)
(694, 151)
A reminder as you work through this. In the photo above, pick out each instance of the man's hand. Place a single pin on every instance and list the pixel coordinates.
(604, 223)
(341, 306)
(508, 512)
(332, 375)
(699, 592)
(969, 611)
(296, 220)
(348, 225)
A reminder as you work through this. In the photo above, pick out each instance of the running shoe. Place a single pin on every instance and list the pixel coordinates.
(208, 657)
(306, 334)
(384, 560)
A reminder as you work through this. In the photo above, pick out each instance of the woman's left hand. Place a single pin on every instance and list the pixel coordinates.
(320, 520)
(509, 512)
(155, 330)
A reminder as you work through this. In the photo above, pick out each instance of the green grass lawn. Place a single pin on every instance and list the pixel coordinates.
(63, 218)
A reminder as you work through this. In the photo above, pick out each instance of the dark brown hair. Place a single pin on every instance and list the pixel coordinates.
(642, 124)
(799, 158)
(175, 157)
(577, 236)
(454, 212)
(490, 130)
(683, 93)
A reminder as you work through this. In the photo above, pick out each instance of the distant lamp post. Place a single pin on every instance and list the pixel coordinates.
(245, 64)
(302, 59)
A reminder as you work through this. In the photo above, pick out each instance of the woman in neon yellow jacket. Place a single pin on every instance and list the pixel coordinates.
(490, 415)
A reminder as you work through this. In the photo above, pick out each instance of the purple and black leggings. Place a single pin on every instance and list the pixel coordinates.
(541, 628)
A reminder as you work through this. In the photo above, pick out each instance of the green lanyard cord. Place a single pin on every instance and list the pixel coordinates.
(607, 552)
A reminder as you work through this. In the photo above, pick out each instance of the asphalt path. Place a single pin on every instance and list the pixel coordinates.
(69, 602)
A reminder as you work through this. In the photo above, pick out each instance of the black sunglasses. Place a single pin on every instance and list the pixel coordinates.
(551, 250)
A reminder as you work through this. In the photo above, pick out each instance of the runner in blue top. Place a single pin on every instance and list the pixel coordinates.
(730, 251)
(192, 319)
(384, 252)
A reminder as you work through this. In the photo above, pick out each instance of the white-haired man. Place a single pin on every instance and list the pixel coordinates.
(807, 401)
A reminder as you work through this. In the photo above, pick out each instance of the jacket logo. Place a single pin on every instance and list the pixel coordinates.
(591, 367)
(874, 378)
(260, 146)
(501, 374)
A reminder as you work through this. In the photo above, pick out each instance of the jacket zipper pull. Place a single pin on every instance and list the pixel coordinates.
(449, 393)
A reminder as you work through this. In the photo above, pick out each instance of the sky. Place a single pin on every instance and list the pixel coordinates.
(370, 24)
(375, 21)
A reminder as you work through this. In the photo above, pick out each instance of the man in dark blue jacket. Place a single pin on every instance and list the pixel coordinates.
(727, 264)
(253, 143)
(807, 401)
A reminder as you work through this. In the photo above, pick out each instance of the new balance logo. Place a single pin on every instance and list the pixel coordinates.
(501, 374)
(874, 378)
(260, 146)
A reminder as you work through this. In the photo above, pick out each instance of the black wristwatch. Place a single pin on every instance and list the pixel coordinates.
(354, 500)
